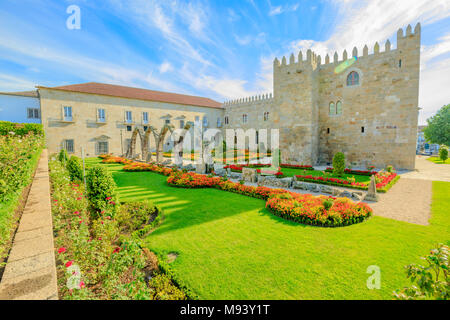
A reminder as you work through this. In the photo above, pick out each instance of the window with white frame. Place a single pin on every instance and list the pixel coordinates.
(69, 145)
(101, 115)
(67, 115)
(128, 117)
(145, 117)
(181, 124)
(338, 107)
(205, 121)
(33, 113)
(244, 118)
(219, 122)
(332, 108)
(102, 147)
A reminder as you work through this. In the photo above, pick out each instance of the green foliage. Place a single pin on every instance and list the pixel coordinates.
(134, 215)
(390, 169)
(21, 129)
(431, 281)
(438, 128)
(19, 156)
(443, 153)
(101, 191)
(62, 156)
(75, 168)
(339, 164)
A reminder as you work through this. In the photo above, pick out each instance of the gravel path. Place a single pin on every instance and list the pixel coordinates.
(408, 200)
(428, 170)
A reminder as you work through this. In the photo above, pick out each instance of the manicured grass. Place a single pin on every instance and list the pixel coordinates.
(231, 247)
(290, 172)
(438, 160)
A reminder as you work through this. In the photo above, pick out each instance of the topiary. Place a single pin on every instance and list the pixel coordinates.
(101, 191)
(443, 153)
(339, 164)
(75, 168)
(62, 156)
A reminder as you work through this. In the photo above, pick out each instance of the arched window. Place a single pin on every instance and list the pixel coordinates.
(338, 107)
(266, 116)
(353, 79)
(244, 118)
(332, 108)
(226, 120)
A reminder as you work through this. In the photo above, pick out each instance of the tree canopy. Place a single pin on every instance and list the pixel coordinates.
(438, 129)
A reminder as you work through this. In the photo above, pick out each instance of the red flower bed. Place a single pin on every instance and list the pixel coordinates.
(332, 181)
(296, 166)
(306, 209)
(319, 211)
(360, 172)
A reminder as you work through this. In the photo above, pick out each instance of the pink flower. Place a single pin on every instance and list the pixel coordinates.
(76, 213)
(61, 250)
(109, 198)
(69, 263)
(82, 285)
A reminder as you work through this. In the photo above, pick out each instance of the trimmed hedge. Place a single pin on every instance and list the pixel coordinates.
(20, 129)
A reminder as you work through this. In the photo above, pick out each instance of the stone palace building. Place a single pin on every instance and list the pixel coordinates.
(363, 105)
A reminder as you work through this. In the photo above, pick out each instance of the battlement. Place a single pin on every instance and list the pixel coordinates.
(249, 100)
(314, 60)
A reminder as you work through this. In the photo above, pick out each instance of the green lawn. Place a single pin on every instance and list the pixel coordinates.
(290, 172)
(438, 160)
(231, 247)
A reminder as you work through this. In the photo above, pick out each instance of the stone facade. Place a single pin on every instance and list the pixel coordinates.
(377, 124)
(87, 132)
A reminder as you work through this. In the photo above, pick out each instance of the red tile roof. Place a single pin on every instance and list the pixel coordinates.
(137, 93)
(32, 94)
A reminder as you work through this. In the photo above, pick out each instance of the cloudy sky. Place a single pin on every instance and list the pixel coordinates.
(221, 49)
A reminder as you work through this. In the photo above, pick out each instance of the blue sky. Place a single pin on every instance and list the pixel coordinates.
(218, 49)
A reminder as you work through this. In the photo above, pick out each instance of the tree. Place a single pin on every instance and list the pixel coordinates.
(443, 153)
(438, 129)
(339, 164)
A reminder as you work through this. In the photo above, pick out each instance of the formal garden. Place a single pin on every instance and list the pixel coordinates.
(127, 229)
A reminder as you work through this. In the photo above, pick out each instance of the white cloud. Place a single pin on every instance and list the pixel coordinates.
(246, 40)
(12, 83)
(165, 67)
(273, 11)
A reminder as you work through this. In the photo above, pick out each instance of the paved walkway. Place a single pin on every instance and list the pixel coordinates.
(427, 170)
(30, 272)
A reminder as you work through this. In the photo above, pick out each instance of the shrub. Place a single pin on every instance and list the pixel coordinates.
(21, 129)
(390, 169)
(432, 281)
(62, 156)
(443, 153)
(339, 164)
(132, 216)
(101, 190)
(75, 168)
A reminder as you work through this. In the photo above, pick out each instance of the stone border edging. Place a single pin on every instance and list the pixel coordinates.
(30, 272)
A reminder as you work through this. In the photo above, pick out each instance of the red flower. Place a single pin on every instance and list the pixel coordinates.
(61, 250)
(117, 249)
(76, 213)
(108, 198)
(69, 263)
(82, 285)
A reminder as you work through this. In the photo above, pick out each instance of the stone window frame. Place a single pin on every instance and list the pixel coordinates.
(347, 73)
(245, 118)
(226, 120)
(98, 148)
(69, 145)
(332, 113)
(266, 116)
(335, 101)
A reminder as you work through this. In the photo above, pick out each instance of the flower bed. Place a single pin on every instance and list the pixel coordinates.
(19, 155)
(385, 180)
(318, 211)
(102, 257)
(359, 172)
(307, 209)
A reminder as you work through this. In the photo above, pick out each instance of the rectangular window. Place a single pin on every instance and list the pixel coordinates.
(128, 117)
(68, 114)
(219, 123)
(226, 120)
(102, 147)
(257, 137)
(362, 129)
(197, 120)
(101, 115)
(167, 121)
(68, 144)
(145, 128)
(145, 117)
(181, 124)
(328, 130)
(128, 128)
(33, 113)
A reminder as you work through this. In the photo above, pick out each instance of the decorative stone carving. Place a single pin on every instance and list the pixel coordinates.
(249, 174)
(200, 168)
(372, 192)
